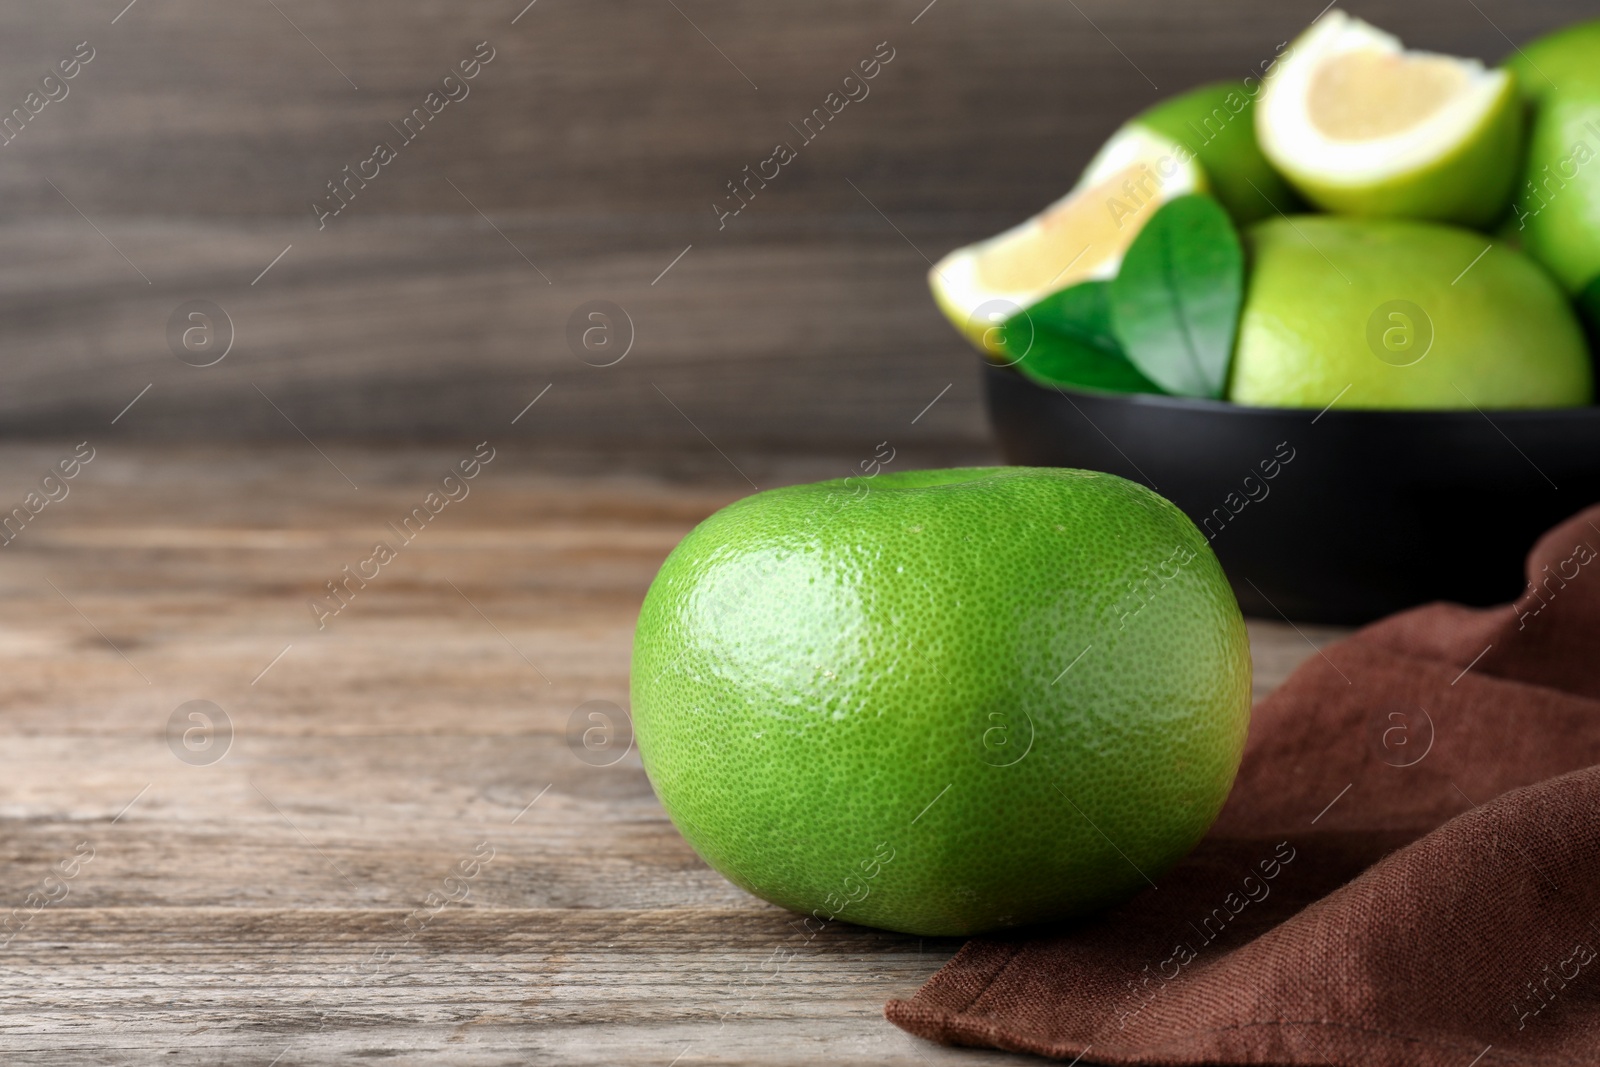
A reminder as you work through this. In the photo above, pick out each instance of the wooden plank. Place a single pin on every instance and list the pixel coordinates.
(480, 985)
(596, 142)
(232, 911)
(595, 112)
(438, 331)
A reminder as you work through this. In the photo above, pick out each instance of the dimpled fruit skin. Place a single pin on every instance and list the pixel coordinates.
(1504, 335)
(830, 680)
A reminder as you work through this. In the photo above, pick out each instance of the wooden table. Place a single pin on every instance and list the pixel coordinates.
(291, 902)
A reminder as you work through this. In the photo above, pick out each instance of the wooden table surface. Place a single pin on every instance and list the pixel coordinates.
(399, 855)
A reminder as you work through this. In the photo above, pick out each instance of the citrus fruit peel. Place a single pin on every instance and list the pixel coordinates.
(1216, 122)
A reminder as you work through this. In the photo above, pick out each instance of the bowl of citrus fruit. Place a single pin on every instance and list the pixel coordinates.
(1342, 315)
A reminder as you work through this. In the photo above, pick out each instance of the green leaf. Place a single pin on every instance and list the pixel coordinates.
(1175, 303)
(1066, 339)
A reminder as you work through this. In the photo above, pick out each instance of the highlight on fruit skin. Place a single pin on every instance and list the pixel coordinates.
(1363, 127)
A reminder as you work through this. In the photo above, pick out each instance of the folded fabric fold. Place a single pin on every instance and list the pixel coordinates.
(1406, 872)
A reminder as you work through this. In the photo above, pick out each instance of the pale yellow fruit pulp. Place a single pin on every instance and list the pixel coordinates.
(1365, 94)
(1074, 238)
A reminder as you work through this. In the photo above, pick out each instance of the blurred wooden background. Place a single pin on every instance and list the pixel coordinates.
(583, 163)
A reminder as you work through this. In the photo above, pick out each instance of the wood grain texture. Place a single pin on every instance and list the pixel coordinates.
(265, 908)
(586, 157)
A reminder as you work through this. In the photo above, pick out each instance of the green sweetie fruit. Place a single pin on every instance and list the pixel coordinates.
(943, 702)
(1392, 313)
(1217, 123)
(1557, 209)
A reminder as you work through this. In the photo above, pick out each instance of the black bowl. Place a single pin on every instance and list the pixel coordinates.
(1335, 516)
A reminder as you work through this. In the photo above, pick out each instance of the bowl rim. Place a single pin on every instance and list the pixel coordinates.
(1158, 402)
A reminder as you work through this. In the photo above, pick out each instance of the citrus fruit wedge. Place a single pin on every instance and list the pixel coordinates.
(1080, 237)
(1363, 127)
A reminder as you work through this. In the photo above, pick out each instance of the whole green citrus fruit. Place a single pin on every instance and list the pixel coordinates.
(1216, 123)
(1394, 313)
(1557, 208)
(943, 702)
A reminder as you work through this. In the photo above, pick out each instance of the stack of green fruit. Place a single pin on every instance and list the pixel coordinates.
(1381, 227)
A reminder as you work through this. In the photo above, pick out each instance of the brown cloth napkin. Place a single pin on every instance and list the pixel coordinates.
(1406, 872)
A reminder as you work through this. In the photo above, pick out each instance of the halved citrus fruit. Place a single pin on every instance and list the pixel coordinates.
(1363, 127)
